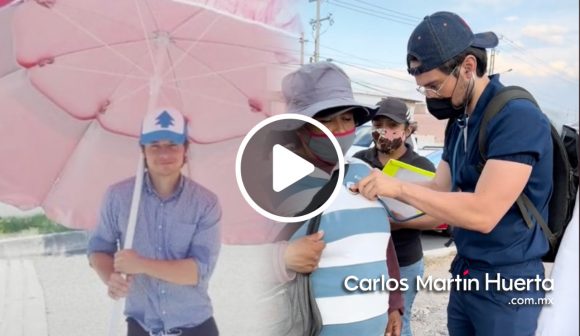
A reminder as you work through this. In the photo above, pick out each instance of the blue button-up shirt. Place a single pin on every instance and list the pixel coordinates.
(185, 225)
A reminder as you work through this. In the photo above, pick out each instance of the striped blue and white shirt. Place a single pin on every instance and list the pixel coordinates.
(356, 232)
(185, 225)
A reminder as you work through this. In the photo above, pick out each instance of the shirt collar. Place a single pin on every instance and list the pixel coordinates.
(488, 93)
(148, 185)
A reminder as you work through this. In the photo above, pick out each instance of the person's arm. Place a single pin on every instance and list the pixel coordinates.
(180, 272)
(442, 179)
(424, 222)
(102, 263)
(500, 184)
(298, 256)
(103, 244)
(302, 255)
(396, 301)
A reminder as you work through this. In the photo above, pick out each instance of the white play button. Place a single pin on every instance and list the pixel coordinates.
(288, 168)
(275, 179)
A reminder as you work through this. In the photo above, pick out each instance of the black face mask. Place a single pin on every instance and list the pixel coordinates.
(443, 108)
(387, 146)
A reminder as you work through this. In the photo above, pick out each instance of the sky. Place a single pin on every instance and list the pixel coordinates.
(538, 46)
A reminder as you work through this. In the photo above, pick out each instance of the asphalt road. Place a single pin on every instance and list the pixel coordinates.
(76, 301)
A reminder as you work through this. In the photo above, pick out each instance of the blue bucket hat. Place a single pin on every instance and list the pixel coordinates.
(164, 124)
(440, 37)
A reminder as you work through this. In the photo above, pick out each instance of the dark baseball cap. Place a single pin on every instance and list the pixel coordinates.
(394, 109)
(440, 37)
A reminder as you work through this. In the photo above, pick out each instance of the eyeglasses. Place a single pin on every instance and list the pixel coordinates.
(425, 91)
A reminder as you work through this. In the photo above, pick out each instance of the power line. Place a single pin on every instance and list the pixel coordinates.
(342, 58)
(371, 71)
(373, 62)
(369, 12)
(372, 87)
(403, 15)
(525, 52)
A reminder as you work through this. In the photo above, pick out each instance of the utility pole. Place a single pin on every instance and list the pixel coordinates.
(302, 48)
(316, 26)
(491, 61)
(492, 54)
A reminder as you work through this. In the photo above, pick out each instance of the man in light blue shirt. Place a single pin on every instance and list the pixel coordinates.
(176, 242)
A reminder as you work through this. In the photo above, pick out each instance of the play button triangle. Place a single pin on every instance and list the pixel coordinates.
(288, 168)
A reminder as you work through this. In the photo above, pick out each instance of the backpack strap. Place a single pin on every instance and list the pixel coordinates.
(527, 204)
(496, 104)
(317, 201)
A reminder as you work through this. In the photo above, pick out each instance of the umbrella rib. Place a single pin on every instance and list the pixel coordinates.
(209, 74)
(206, 30)
(95, 71)
(130, 93)
(65, 164)
(192, 93)
(97, 39)
(151, 14)
(182, 23)
(146, 36)
(229, 44)
(186, 53)
(174, 75)
(78, 51)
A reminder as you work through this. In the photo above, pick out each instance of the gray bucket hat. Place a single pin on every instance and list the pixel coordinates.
(321, 86)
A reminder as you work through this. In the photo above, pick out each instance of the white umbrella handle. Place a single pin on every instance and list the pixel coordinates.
(155, 82)
(118, 305)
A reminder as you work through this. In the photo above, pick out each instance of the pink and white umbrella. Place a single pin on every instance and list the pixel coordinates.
(77, 77)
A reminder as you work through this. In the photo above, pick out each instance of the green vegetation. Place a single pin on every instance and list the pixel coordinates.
(38, 224)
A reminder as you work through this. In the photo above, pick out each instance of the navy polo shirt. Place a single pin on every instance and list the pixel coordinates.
(519, 133)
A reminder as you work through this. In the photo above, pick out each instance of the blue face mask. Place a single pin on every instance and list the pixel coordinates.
(323, 149)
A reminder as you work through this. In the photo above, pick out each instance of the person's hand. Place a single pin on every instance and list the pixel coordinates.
(302, 255)
(128, 262)
(394, 325)
(378, 184)
(118, 286)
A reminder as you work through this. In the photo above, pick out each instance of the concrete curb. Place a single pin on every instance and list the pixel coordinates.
(50, 244)
(76, 241)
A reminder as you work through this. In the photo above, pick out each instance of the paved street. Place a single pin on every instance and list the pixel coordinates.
(62, 296)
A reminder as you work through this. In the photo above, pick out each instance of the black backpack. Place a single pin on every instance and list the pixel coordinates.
(565, 172)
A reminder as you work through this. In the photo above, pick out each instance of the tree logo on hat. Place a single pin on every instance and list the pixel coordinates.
(165, 120)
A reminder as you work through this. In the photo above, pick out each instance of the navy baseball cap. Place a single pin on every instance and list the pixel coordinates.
(440, 37)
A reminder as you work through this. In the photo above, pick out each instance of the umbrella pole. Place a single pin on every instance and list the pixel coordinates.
(117, 310)
(154, 88)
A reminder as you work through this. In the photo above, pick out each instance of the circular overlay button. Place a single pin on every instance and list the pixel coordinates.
(289, 168)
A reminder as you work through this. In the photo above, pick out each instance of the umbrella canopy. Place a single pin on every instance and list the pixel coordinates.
(79, 75)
